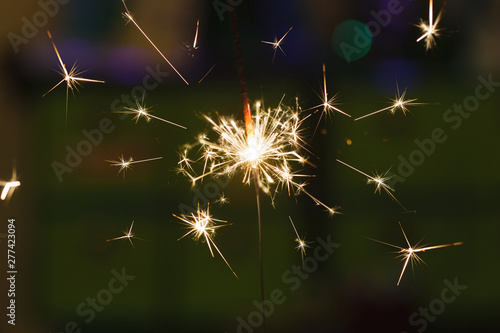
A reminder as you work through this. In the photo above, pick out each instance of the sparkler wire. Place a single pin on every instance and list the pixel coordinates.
(249, 127)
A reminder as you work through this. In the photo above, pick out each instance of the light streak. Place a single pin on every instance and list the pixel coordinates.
(7, 187)
(130, 18)
(301, 241)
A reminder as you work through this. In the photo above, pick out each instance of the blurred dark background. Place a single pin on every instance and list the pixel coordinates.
(62, 226)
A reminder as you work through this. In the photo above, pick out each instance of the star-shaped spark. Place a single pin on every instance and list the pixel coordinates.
(129, 17)
(126, 235)
(430, 31)
(398, 103)
(269, 153)
(302, 244)
(126, 164)
(277, 43)
(141, 110)
(71, 78)
(410, 254)
(379, 181)
(222, 199)
(202, 225)
(328, 104)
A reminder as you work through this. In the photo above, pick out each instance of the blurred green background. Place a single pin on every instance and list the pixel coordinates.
(62, 226)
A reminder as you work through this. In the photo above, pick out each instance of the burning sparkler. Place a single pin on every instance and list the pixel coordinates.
(430, 31)
(301, 241)
(328, 105)
(70, 77)
(129, 17)
(267, 154)
(126, 164)
(399, 102)
(410, 254)
(126, 235)
(277, 43)
(142, 111)
(379, 180)
(202, 225)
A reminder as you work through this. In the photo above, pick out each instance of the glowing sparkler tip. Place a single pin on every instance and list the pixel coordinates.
(268, 153)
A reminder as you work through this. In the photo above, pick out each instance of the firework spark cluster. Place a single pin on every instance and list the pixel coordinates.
(273, 152)
(268, 150)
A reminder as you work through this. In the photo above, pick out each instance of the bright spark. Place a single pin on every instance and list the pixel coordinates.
(142, 111)
(399, 102)
(202, 225)
(7, 187)
(410, 254)
(328, 105)
(222, 200)
(204, 76)
(126, 235)
(301, 241)
(277, 43)
(270, 152)
(70, 77)
(430, 31)
(125, 164)
(194, 47)
(379, 181)
(130, 18)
